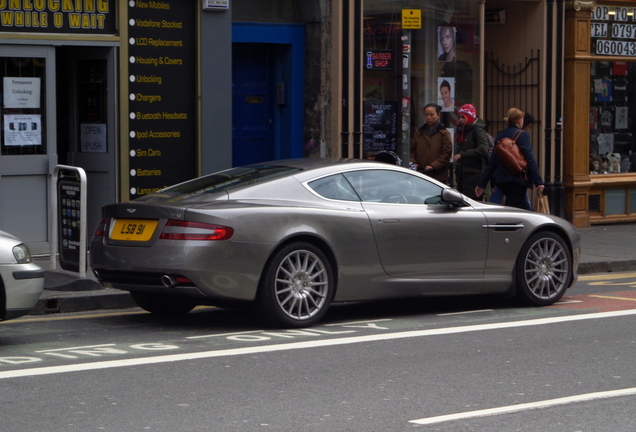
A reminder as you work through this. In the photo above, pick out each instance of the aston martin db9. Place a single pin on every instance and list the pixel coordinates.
(291, 237)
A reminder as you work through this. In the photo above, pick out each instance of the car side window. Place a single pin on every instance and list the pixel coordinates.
(392, 187)
(334, 187)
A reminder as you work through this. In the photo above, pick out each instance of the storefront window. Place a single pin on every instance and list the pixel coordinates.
(22, 87)
(407, 69)
(612, 147)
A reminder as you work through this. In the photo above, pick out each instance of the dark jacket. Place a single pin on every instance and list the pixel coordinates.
(498, 171)
(432, 149)
(473, 148)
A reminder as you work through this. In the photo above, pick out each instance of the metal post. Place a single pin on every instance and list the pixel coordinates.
(405, 141)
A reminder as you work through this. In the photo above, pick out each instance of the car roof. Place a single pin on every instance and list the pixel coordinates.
(312, 168)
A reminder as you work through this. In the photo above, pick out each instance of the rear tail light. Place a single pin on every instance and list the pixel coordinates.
(102, 226)
(186, 230)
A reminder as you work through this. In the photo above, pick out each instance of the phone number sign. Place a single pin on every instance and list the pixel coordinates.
(613, 33)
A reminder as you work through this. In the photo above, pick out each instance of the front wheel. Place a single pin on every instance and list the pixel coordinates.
(163, 304)
(544, 269)
(297, 286)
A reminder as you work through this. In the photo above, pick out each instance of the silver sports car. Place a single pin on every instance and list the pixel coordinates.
(21, 281)
(291, 237)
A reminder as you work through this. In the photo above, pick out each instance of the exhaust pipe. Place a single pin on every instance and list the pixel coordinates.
(168, 281)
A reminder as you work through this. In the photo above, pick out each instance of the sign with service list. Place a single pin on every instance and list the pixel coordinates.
(162, 91)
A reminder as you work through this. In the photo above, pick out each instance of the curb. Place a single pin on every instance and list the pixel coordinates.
(61, 303)
(607, 267)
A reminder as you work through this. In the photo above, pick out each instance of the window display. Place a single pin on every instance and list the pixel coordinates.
(440, 64)
(23, 91)
(612, 146)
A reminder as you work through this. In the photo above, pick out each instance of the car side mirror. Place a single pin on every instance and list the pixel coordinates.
(449, 197)
(452, 196)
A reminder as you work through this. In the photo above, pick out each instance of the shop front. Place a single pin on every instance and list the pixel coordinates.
(58, 83)
(599, 115)
(415, 53)
(112, 87)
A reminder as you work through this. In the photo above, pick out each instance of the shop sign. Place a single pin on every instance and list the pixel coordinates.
(21, 92)
(380, 127)
(411, 19)
(379, 59)
(613, 31)
(22, 129)
(162, 92)
(93, 138)
(59, 16)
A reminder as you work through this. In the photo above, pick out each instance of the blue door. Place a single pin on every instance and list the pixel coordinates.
(253, 103)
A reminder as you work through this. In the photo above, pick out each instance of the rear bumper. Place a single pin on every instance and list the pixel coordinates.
(225, 270)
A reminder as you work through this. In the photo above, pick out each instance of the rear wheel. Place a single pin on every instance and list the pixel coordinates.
(544, 269)
(297, 286)
(163, 304)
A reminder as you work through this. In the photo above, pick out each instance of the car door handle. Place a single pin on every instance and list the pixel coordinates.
(390, 221)
(505, 226)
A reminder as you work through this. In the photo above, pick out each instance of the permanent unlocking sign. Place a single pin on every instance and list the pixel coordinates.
(162, 92)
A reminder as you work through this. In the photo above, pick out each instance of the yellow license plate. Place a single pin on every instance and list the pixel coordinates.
(133, 229)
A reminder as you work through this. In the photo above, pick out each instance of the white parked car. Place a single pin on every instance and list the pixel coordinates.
(22, 281)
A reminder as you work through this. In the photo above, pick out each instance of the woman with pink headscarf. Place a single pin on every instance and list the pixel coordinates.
(471, 154)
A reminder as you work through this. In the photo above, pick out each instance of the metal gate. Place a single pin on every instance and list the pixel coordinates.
(508, 86)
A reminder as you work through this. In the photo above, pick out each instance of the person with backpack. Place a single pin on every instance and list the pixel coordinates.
(431, 146)
(513, 185)
(497, 195)
(472, 150)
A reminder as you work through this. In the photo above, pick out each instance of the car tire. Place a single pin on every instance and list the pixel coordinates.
(163, 304)
(296, 287)
(544, 269)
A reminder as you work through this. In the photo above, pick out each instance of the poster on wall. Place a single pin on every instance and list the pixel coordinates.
(619, 68)
(607, 116)
(593, 118)
(21, 92)
(446, 95)
(22, 129)
(446, 47)
(605, 143)
(603, 90)
(621, 118)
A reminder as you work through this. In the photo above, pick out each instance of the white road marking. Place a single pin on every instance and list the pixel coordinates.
(567, 301)
(466, 312)
(526, 406)
(308, 344)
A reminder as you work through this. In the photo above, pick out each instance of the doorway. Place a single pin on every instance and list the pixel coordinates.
(86, 121)
(253, 103)
(268, 92)
(28, 146)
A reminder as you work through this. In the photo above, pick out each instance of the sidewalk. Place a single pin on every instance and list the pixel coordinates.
(604, 248)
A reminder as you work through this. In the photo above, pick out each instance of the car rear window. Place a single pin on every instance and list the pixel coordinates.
(227, 180)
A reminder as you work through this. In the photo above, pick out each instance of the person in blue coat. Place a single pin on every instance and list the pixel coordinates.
(513, 186)
(497, 195)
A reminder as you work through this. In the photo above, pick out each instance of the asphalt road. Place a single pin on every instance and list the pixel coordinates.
(469, 364)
